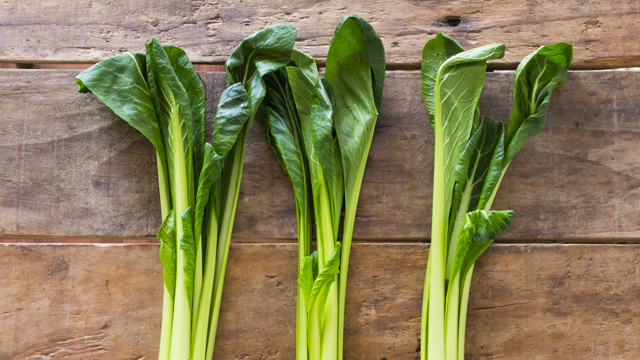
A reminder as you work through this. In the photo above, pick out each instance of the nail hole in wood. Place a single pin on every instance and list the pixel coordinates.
(453, 21)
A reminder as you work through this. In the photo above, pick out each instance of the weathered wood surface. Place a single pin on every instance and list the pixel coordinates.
(69, 167)
(527, 302)
(604, 33)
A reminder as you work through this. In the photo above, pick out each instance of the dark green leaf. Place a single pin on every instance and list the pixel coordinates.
(173, 109)
(284, 135)
(536, 77)
(350, 70)
(258, 55)
(167, 237)
(193, 86)
(233, 112)
(120, 83)
(479, 168)
(494, 134)
(375, 50)
(314, 111)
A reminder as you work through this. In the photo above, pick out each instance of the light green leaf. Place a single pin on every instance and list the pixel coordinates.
(306, 277)
(537, 76)
(479, 231)
(458, 86)
(436, 51)
(167, 237)
(325, 277)
(187, 244)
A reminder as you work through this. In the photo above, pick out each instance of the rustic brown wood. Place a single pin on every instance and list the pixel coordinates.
(527, 302)
(604, 33)
(69, 167)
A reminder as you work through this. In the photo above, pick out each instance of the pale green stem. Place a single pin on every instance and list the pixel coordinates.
(466, 287)
(425, 310)
(347, 235)
(323, 319)
(204, 309)
(326, 246)
(197, 280)
(315, 331)
(451, 326)
(304, 248)
(167, 300)
(435, 326)
(226, 228)
(181, 333)
(330, 336)
(464, 303)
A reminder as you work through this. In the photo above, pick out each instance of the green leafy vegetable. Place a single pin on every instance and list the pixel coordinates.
(160, 94)
(355, 70)
(470, 160)
(320, 130)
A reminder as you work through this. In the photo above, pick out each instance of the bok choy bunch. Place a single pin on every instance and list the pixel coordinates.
(159, 94)
(470, 160)
(320, 130)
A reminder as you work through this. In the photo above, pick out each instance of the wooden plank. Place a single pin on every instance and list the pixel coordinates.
(604, 32)
(72, 168)
(527, 302)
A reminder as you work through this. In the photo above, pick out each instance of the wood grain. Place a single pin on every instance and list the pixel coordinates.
(604, 33)
(527, 302)
(69, 167)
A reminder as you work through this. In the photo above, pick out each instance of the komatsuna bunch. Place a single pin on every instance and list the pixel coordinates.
(470, 160)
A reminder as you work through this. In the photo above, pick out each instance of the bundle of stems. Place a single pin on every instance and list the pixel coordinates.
(470, 160)
(320, 130)
(159, 94)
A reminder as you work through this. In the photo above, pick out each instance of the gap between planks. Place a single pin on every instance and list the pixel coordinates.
(274, 241)
(219, 67)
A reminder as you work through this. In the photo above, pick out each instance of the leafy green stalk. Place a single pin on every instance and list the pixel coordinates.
(463, 225)
(161, 95)
(355, 70)
(537, 76)
(121, 83)
(173, 107)
(230, 124)
(255, 57)
(458, 83)
(284, 135)
(297, 116)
